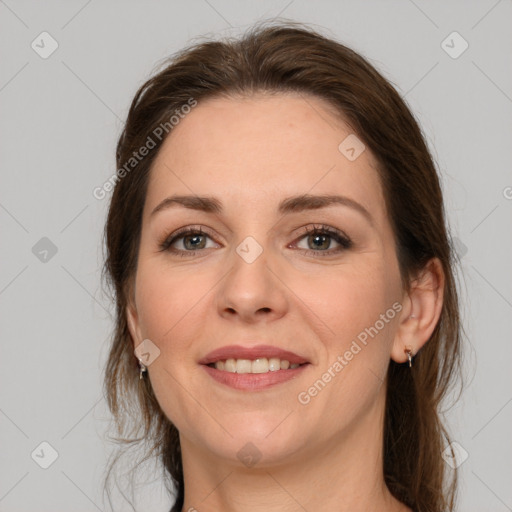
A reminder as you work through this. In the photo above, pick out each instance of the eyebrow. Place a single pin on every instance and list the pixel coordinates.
(293, 204)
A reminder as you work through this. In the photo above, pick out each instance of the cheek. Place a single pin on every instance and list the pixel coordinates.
(166, 298)
(169, 306)
(347, 300)
(356, 306)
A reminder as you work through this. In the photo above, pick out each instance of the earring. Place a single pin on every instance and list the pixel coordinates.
(142, 369)
(409, 356)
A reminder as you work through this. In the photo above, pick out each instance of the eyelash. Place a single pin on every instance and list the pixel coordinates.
(344, 242)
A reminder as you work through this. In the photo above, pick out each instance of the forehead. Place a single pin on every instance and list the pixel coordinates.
(253, 148)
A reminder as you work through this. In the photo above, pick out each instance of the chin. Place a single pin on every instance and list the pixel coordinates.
(256, 440)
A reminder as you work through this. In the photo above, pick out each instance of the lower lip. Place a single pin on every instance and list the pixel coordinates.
(254, 381)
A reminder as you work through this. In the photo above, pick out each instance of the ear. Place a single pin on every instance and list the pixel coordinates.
(422, 308)
(133, 324)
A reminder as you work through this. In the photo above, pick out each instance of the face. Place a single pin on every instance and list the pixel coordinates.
(257, 268)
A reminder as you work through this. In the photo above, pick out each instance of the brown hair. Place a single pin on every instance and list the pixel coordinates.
(279, 57)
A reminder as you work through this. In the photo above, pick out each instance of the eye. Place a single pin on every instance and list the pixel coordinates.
(319, 240)
(190, 239)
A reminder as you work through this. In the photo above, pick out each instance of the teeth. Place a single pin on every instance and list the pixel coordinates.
(260, 365)
(243, 366)
(229, 365)
(275, 364)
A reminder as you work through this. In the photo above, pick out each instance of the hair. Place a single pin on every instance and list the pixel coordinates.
(283, 57)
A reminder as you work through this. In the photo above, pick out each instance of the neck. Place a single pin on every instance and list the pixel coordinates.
(342, 474)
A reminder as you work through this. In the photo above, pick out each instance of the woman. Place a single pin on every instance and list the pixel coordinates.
(287, 315)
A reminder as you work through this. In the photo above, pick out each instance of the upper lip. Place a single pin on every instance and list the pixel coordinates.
(255, 352)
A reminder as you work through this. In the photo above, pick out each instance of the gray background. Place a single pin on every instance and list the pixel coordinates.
(60, 118)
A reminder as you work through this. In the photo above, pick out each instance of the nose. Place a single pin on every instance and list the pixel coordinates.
(251, 292)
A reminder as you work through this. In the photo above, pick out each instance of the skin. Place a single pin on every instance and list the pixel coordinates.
(251, 153)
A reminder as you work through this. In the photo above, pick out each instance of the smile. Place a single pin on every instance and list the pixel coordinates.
(260, 365)
(246, 380)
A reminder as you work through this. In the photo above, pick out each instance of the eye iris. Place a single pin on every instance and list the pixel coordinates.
(324, 238)
(194, 246)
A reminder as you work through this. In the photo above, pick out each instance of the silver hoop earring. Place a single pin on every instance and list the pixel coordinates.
(142, 369)
(409, 356)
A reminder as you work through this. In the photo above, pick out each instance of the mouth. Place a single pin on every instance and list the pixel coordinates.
(253, 368)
